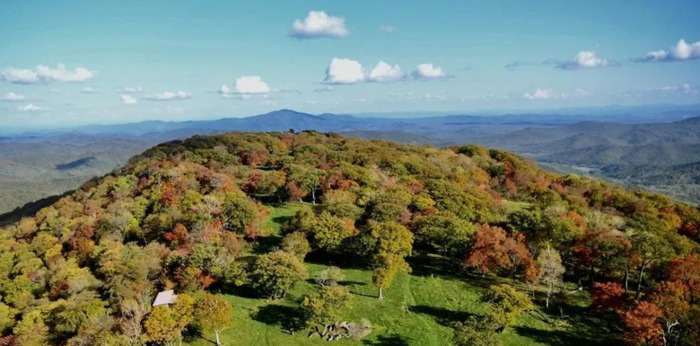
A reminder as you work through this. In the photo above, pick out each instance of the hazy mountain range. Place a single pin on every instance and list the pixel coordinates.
(658, 148)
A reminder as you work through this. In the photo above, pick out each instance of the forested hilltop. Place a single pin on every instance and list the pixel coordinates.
(286, 239)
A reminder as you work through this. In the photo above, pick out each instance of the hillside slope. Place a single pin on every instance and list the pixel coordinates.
(603, 148)
(456, 241)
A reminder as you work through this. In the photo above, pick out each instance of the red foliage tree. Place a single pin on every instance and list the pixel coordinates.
(493, 249)
(643, 327)
(608, 295)
(687, 271)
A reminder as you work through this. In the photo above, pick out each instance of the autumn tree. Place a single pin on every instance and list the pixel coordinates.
(394, 243)
(552, 270)
(274, 274)
(642, 325)
(160, 325)
(213, 313)
(494, 250)
(608, 295)
(687, 271)
(671, 297)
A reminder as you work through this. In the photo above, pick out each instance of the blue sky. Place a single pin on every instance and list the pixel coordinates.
(128, 61)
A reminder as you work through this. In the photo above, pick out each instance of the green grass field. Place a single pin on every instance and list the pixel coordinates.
(418, 309)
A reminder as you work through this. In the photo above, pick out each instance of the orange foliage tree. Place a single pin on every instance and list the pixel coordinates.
(494, 250)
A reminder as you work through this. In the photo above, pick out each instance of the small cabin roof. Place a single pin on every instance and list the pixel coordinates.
(165, 298)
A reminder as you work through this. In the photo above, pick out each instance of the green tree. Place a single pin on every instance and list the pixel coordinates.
(213, 313)
(474, 332)
(296, 244)
(394, 243)
(505, 305)
(445, 233)
(31, 330)
(7, 317)
(326, 309)
(274, 274)
(307, 178)
(329, 231)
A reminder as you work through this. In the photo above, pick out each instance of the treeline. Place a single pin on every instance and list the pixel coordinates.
(185, 214)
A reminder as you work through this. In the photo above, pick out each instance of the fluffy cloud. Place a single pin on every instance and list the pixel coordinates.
(344, 71)
(168, 96)
(251, 85)
(30, 107)
(584, 59)
(539, 94)
(681, 51)
(131, 90)
(385, 73)
(128, 99)
(427, 71)
(12, 97)
(45, 74)
(319, 24)
(246, 85)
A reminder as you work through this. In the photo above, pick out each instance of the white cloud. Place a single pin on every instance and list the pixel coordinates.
(539, 94)
(427, 71)
(385, 73)
(547, 94)
(168, 96)
(319, 24)
(30, 107)
(12, 97)
(245, 85)
(251, 85)
(344, 71)
(131, 90)
(128, 99)
(681, 51)
(685, 88)
(387, 29)
(45, 74)
(585, 59)
(90, 90)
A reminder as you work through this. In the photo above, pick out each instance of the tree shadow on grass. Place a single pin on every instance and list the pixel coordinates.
(263, 245)
(389, 340)
(287, 317)
(443, 316)
(563, 338)
(590, 326)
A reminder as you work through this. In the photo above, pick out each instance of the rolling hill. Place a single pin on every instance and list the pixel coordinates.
(299, 238)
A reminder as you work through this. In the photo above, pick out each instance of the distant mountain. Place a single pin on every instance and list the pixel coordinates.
(35, 165)
(660, 156)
